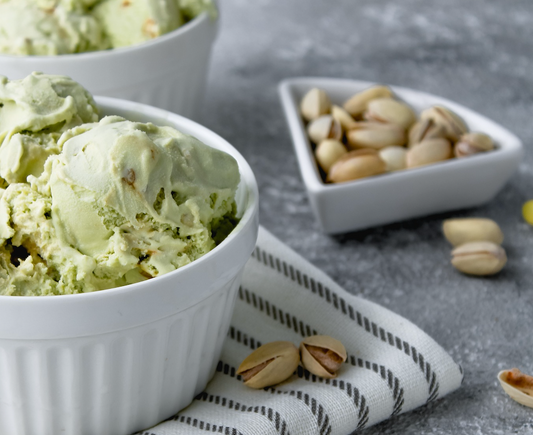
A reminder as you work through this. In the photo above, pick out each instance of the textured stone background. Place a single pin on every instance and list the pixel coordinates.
(478, 53)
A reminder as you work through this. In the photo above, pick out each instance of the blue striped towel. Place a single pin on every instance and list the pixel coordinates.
(392, 366)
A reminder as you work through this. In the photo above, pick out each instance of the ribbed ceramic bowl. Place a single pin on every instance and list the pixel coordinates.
(121, 360)
(168, 72)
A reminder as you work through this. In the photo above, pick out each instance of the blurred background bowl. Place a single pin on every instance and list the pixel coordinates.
(120, 360)
(169, 71)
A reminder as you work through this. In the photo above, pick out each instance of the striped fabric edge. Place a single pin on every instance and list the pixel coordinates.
(317, 287)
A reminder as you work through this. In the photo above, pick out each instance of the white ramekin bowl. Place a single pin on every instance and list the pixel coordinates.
(121, 360)
(450, 185)
(168, 72)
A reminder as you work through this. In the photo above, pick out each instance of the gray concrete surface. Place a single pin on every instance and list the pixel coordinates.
(478, 53)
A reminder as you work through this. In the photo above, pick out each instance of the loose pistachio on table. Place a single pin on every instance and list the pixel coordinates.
(373, 119)
(479, 258)
(322, 355)
(477, 245)
(517, 385)
(269, 364)
(465, 230)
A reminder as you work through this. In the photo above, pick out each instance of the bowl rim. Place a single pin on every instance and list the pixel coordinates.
(187, 27)
(247, 219)
(307, 163)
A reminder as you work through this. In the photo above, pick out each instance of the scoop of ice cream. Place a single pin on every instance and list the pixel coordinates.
(34, 112)
(53, 27)
(129, 22)
(26, 28)
(122, 202)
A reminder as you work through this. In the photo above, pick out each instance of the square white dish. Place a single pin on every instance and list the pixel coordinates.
(400, 195)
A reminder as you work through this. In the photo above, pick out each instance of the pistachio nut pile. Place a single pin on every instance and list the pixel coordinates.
(275, 362)
(476, 242)
(373, 133)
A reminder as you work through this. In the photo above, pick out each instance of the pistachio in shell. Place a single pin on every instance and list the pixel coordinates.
(328, 152)
(454, 126)
(518, 386)
(479, 258)
(322, 355)
(424, 129)
(269, 364)
(357, 104)
(473, 143)
(389, 110)
(324, 127)
(375, 135)
(394, 158)
(315, 103)
(345, 119)
(355, 165)
(464, 230)
(429, 151)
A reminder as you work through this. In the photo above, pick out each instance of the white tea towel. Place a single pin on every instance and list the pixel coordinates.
(392, 366)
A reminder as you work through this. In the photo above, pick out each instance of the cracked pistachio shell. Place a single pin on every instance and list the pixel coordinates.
(357, 104)
(518, 386)
(314, 104)
(473, 143)
(394, 158)
(324, 127)
(454, 126)
(322, 355)
(424, 129)
(461, 231)
(355, 165)
(374, 135)
(479, 258)
(344, 118)
(390, 111)
(269, 364)
(328, 152)
(429, 151)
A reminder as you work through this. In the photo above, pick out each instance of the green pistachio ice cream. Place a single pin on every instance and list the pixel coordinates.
(26, 28)
(34, 112)
(138, 21)
(117, 202)
(53, 27)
